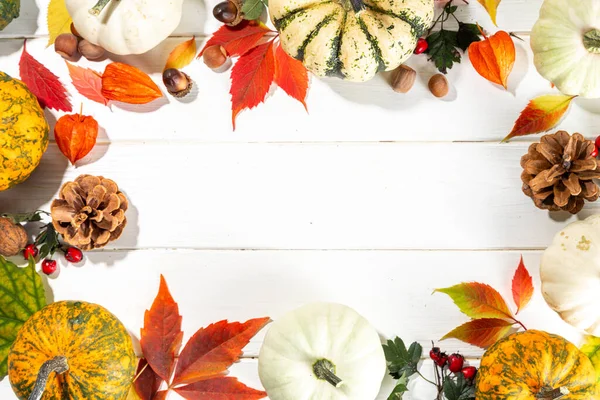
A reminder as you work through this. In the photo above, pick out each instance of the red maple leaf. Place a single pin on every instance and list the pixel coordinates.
(238, 40)
(291, 75)
(218, 388)
(43, 83)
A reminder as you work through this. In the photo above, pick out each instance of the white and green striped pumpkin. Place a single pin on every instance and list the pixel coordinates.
(352, 39)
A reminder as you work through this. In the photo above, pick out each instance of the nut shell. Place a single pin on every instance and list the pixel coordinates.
(403, 79)
(214, 56)
(66, 45)
(438, 85)
(229, 12)
(178, 83)
(13, 238)
(91, 51)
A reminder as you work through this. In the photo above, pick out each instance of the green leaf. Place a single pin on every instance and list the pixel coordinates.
(47, 241)
(400, 389)
(253, 9)
(21, 295)
(400, 360)
(459, 390)
(467, 34)
(478, 300)
(591, 348)
(25, 217)
(442, 49)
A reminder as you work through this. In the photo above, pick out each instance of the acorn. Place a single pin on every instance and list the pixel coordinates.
(228, 12)
(66, 45)
(13, 238)
(91, 51)
(178, 83)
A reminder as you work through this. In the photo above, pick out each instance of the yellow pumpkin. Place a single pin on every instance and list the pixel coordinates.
(535, 365)
(23, 132)
(80, 349)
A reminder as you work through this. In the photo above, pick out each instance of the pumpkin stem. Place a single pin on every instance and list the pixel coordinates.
(357, 5)
(553, 394)
(97, 9)
(325, 370)
(57, 364)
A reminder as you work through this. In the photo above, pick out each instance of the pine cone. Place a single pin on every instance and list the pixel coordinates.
(558, 172)
(90, 212)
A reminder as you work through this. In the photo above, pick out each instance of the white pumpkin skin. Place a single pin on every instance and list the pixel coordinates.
(561, 54)
(321, 331)
(570, 272)
(352, 39)
(126, 26)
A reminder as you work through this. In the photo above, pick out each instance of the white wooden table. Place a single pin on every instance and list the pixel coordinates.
(373, 199)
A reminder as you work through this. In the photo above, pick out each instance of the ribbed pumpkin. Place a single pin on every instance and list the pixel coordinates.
(352, 39)
(535, 365)
(23, 132)
(96, 345)
(9, 10)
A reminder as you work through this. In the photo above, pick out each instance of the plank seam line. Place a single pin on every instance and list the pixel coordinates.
(308, 249)
(154, 142)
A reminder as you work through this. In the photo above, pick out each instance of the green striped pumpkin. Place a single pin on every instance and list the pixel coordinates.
(9, 10)
(351, 39)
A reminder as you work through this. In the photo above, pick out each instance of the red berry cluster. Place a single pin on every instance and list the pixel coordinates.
(454, 362)
(49, 266)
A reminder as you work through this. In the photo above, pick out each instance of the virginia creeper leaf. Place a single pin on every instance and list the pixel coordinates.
(21, 295)
(478, 300)
(541, 114)
(238, 40)
(494, 57)
(59, 20)
(43, 83)
(182, 55)
(522, 286)
(251, 78)
(161, 335)
(87, 82)
(481, 332)
(591, 348)
(213, 349)
(491, 6)
(291, 75)
(221, 387)
(147, 382)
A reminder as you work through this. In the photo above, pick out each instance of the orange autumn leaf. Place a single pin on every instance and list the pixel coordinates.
(221, 387)
(491, 6)
(182, 55)
(478, 300)
(291, 75)
(522, 286)
(75, 135)
(481, 332)
(494, 57)
(122, 82)
(541, 114)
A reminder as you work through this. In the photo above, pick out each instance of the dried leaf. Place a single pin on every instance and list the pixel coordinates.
(182, 55)
(491, 7)
(87, 82)
(541, 114)
(522, 286)
(238, 40)
(494, 57)
(221, 387)
(161, 335)
(213, 349)
(251, 78)
(478, 300)
(147, 382)
(291, 75)
(59, 20)
(75, 135)
(43, 83)
(481, 332)
(122, 82)
(591, 348)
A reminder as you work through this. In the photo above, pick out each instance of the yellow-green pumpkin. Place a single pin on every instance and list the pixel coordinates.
(95, 344)
(9, 10)
(23, 131)
(535, 365)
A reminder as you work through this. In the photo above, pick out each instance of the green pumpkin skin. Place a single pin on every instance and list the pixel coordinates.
(9, 10)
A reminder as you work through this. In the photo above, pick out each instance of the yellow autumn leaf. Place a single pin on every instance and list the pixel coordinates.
(492, 7)
(591, 348)
(59, 20)
(182, 55)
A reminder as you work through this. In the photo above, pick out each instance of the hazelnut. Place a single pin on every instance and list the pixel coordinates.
(91, 51)
(228, 13)
(13, 238)
(178, 83)
(214, 56)
(66, 45)
(74, 31)
(438, 85)
(403, 79)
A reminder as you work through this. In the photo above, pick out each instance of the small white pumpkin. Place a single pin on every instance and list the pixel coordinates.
(322, 351)
(570, 272)
(566, 45)
(125, 26)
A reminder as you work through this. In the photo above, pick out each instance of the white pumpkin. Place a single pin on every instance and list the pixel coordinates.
(570, 272)
(322, 351)
(566, 45)
(125, 26)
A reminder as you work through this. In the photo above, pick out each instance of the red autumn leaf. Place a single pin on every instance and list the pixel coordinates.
(494, 57)
(238, 40)
(75, 135)
(481, 332)
(43, 83)
(290, 75)
(147, 382)
(213, 349)
(162, 395)
(87, 82)
(522, 286)
(478, 300)
(161, 335)
(251, 78)
(219, 388)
